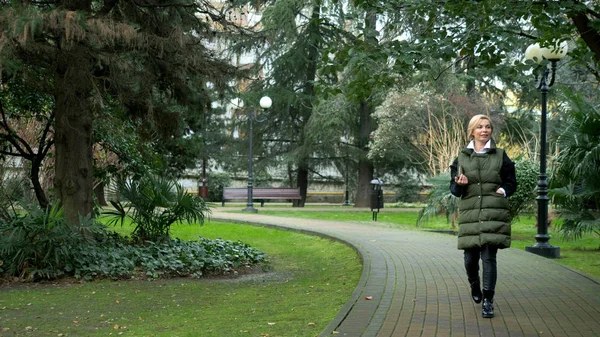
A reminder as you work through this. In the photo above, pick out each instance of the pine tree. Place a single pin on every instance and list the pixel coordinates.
(147, 55)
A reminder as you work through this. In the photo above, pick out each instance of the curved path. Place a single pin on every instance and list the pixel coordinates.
(418, 288)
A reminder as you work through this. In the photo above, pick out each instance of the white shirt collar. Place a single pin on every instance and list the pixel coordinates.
(485, 149)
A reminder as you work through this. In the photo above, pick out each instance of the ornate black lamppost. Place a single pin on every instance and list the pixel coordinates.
(253, 116)
(536, 54)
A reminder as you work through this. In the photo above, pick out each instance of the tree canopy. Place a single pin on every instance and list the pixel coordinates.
(152, 58)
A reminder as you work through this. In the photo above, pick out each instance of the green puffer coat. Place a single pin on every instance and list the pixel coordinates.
(483, 213)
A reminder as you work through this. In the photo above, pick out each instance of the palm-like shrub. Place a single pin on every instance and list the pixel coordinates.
(575, 184)
(36, 243)
(153, 204)
(440, 201)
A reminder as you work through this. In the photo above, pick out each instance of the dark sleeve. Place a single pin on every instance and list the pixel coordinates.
(455, 188)
(508, 176)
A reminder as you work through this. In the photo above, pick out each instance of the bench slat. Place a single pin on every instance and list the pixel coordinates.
(261, 193)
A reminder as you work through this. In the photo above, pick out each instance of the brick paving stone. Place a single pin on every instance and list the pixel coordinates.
(418, 287)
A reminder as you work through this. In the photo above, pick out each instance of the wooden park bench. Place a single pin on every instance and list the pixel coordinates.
(260, 193)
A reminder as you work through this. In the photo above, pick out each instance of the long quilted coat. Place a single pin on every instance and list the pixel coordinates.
(483, 213)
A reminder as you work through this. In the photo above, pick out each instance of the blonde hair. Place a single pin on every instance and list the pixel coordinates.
(474, 122)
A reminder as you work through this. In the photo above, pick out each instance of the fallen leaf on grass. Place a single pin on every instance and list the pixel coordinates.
(312, 324)
(271, 323)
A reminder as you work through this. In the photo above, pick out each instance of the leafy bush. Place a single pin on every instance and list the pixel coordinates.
(40, 244)
(11, 189)
(118, 259)
(216, 182)
(154, 204)
(575, 184)
(407, 186)
(524, 198)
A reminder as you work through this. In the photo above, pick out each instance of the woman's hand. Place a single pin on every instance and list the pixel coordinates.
(461, 180)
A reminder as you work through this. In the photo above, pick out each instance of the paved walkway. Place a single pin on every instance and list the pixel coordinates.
(418, 287)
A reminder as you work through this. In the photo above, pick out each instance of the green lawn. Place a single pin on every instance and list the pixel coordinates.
(311, 278)
(582, 255)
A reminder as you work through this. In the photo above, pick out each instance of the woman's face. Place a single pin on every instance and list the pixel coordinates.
(483, 131)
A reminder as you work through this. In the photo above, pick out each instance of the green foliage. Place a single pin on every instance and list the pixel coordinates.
(407, 187)
(41, 245)
(524, 198)
(11, 189)
(38, 244)
(117, 259)
(216, 182)
(575, 184)
(154, 204)
(440, 201)
(152, 63)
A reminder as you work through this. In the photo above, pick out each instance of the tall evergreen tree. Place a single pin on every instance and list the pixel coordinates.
(297, 34)
(146, 54)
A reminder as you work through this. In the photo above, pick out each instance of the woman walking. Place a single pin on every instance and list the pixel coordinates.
(483, 177)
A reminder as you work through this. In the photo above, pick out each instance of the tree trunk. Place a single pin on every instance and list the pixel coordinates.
(73, 134)
(312, 56)
(365, 166)
(302, 178)
(365, 175)
(34, 175)
(590, 36)
(99, 193)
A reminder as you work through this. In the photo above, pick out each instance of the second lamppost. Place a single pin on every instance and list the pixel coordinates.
(253, 116)
(537, 54)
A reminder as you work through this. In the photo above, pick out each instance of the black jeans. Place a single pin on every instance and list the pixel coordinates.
(487, 254)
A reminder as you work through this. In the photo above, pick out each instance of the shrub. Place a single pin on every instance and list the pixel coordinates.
(12, 187)
(407, 186)
(117, 259)
(575, 184)
(440, 201)
(216, 182)
(524, 198)
(154, 204)
(38, 244)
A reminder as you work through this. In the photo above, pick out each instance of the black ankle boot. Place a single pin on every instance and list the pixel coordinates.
(476, 294)
(487, 309)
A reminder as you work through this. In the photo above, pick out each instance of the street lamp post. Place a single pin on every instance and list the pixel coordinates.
(252, 116)
(535, 53)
